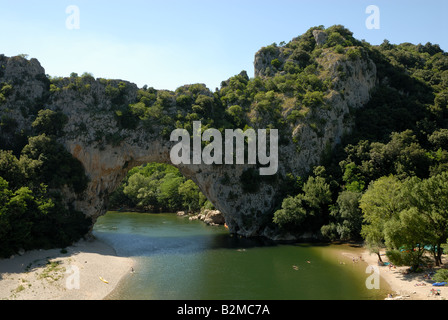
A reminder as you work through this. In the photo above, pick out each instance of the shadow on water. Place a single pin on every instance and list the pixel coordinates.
(174, 236)
(128, 245)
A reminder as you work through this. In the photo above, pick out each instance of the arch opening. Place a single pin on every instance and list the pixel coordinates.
(158, 188)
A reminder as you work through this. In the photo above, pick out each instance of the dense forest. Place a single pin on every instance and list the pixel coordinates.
(385, 184)
(32, 213)
(158, 188)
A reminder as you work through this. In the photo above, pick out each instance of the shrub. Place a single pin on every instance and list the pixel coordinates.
(313, 99)
(335, 38)
(407, 258)
(339, 49)
(354, 54)
(276, 63)
(441, 275)
(236, 114)
(47, 161)
(50, 122)
(6, 90)
(127, 117)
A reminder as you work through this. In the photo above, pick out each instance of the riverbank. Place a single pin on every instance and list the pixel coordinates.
(403, 285)
(89, 270)
(54, 275)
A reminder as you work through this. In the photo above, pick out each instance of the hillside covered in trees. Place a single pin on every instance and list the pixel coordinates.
(385, 182)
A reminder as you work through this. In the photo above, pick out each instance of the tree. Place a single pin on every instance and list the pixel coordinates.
(49, 162)
(190, 195)
(404, 234)
(154, 187)
(292, 214)
(306, 211)
(402, 156)
(374, 239)
(382, 200)
(11, 169)
(5, 225)
(25, 215)
(50, 122)
(354, 181)
(439, 139)
(317, 193)
(379, 204)
(350, 215)
(237, 115)
(429, 197)
(142, 191)
(169, 192)
(410, 217)
(276, 63)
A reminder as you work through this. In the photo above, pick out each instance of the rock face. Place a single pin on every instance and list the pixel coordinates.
(320, 37)
(30, 89)
(108, 151)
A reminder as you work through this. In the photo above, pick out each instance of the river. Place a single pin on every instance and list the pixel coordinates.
(178, 259)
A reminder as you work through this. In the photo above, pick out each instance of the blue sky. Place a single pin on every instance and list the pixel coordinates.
(166, 44)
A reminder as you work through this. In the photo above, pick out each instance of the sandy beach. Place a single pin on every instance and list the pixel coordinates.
(88, 270)
(404, 285)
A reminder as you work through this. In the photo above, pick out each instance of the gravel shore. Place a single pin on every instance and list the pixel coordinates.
(88, 270)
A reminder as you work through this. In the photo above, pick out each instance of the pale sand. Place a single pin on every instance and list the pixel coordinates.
(54, 275)
(404, 286)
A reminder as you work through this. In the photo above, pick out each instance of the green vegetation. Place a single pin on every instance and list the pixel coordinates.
(441, 275)
(53, 271)
(32, 210)
(158, 188)
(305, 212)
(388, 178)
(410, 216)
(32, 215)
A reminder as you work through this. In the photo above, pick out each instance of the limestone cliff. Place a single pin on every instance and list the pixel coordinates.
(98, 135)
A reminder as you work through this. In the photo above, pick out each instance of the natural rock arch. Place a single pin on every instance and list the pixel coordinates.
(97, 134)
(246, 213)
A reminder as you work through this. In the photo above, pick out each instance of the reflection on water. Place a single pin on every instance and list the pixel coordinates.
(181, 259)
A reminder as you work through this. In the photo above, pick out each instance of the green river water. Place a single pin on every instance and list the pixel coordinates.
(178, 259)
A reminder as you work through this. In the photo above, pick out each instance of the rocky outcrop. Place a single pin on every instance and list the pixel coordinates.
(28, 90)
(210, 217)
(320, 36)
(108, 149)
(263, 60)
